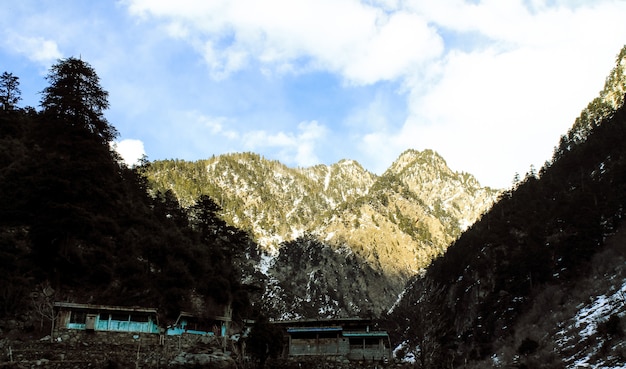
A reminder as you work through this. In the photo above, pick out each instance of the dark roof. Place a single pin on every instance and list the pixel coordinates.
(313, 329)
(186, 314)
(323, 322)
(129, 309)
(365, 334)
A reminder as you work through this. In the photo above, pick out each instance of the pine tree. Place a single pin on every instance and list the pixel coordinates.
(9, 91)
(76, 98)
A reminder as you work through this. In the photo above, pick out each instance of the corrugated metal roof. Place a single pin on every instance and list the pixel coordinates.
(313, 329)
(366, 334)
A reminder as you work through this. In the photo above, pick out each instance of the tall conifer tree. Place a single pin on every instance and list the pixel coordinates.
(76, 97)
(9, 90)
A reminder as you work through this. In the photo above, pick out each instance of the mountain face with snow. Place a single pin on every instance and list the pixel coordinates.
(337, 240)
(539, 281)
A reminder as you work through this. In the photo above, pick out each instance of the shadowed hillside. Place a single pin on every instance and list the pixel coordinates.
(81, 226)
(518, 267)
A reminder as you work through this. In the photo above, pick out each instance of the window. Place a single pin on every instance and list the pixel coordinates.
(120, 317)
(325, 335)
(78, 317)
(142, 318)
(356, 342)
(303, 335)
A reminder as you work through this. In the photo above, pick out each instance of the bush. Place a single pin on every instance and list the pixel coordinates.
(528, 346)
(612, 327)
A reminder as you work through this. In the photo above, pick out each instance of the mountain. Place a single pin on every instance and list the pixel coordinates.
(609, 99)
(333, 221)
(538, 281)
(534, 280)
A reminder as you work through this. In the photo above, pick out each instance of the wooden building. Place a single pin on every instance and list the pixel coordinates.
(89, 317)
(191, 324)
(351, 338)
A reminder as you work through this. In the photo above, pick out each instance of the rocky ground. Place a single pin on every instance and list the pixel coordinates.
(60, 355)
(76, 349)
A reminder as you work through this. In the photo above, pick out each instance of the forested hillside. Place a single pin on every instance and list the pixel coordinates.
(335, 222)
(77, 223)
(501, 294)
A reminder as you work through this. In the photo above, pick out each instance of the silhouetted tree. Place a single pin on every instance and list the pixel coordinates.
(9, 90)
(76, 97)
(204, 217)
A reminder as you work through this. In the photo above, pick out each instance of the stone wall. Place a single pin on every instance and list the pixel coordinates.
(332, 362)
(73, 349)
(81, 349)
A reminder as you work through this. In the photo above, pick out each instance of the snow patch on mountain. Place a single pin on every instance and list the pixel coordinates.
(267, 261)
(583, 328)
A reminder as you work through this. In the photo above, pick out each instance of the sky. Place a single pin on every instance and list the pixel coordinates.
(490, 85)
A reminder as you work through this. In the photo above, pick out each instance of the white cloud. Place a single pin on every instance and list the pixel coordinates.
(37, 49)
(216, 125)
(398, 47)
(499, 108)
(130, 150)
(218, 134)
(292, 148)
(362, 43)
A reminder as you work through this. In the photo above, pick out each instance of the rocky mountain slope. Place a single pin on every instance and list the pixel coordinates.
(538, 281)
(386, 228)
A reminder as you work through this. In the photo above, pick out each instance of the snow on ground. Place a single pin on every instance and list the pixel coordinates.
(267, 261)
(602, 307)
(395, 304)
(405, 349)
(585, 324)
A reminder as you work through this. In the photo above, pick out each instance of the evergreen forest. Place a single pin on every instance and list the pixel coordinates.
(76, 221)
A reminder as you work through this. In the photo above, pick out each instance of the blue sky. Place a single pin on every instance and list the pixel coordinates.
(490, 85)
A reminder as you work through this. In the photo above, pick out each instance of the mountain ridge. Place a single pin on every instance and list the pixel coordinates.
(395, 223)
(246, 180)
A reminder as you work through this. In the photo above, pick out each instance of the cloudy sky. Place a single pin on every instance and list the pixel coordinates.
(490, 85)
